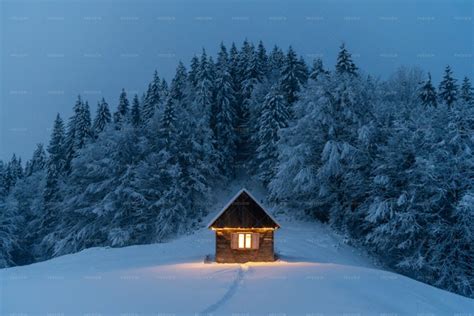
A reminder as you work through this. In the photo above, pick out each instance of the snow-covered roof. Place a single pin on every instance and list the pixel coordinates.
(232, 200)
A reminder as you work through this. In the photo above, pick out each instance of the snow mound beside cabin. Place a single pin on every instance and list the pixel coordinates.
(317, 273)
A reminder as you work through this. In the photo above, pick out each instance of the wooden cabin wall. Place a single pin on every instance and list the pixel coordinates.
(225, 254)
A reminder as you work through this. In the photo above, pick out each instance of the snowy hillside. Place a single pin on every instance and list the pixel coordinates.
(317, 273)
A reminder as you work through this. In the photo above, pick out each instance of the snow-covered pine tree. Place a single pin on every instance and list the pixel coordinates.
(448, 89)
(467, 92)
(122, 114)
(344, 62)
(135, 112)
(318, 69)
(102, 117)
(427, 93)
(274, 117)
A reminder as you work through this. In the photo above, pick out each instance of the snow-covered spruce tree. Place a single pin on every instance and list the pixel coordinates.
(427, 93)
(394, 225)
(419, 177)
(262, 60)
(193, 72)
(169, 207)
(13, 172)
(78, 131)
(203, 103)
(102, 117)
(198, 156)
(295, 182)
(25, 203)
(467, 92)
(82, 127)
(38, 161)
(57, 159)
(92, 205)
(253, 68)
(10, 222)
(273, 118)
(276, 61)
(179, 85)
(154, 175)
(55, 175)
(152, 101)
(3, 176)
(163, 90)
(329, 171)
(122, 113)
(69, 142)
(346, 120)
(135, 115)
(317, 69)
(11, 217)
(234, 70)
(448, 89)
(225, 133)
(452, 252)
(294, 76)
(177, 167)
(344, 62)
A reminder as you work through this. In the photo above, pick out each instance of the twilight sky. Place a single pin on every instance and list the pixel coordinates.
(51, 51)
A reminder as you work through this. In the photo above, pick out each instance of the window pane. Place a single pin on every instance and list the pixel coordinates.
(248, 240)
(241, 240)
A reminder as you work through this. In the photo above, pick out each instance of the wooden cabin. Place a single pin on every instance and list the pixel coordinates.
(244, 231)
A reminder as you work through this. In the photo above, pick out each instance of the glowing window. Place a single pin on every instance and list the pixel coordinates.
(245, 241)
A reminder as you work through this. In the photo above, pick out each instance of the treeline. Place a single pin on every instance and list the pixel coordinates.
(386, 162)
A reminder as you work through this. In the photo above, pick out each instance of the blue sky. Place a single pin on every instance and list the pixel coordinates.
(51, 51)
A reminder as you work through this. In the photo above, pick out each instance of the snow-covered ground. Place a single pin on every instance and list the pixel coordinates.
(317, 274)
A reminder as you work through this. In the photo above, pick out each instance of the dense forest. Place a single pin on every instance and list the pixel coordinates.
(387, 163)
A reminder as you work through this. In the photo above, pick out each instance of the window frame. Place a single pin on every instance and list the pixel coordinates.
(244, 241)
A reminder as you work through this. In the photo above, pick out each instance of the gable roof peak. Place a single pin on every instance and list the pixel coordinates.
(234, 198)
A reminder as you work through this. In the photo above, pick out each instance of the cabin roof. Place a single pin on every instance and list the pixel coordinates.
(243, 211)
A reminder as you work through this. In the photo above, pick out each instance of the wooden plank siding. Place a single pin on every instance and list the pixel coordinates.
(225, 253)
